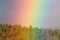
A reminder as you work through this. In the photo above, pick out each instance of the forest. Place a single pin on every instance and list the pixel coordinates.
(17, 32)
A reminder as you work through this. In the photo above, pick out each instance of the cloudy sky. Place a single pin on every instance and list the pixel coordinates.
(53, 19)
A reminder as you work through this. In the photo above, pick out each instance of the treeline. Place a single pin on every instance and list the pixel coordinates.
(17, 32)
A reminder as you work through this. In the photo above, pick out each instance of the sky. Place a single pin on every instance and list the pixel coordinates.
(40, 13)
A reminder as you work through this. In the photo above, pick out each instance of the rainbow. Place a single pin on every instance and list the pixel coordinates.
(31, 12)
